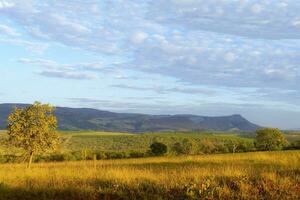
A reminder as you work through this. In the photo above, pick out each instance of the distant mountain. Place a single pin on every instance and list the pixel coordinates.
(92, 119)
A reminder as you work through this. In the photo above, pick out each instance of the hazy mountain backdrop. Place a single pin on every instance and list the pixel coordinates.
(92, 119)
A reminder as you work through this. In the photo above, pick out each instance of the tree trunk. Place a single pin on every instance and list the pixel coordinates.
(234, 148)
(30, 160)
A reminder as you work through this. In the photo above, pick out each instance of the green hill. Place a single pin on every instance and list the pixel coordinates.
(97, 120)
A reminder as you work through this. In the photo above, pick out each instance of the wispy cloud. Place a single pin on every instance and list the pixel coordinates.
(79, 71)
(228, 43)
(7, 30)
(92, 66)
(164, 90)
(66, 74)
(35, 47)
(255, 19)
(6, 4)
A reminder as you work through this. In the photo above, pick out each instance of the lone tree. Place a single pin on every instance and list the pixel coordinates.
(33, 129)
(270, 139)
(158, 148)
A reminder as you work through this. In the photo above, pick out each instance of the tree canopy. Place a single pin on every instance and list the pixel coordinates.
(270, 139)
(33, 129)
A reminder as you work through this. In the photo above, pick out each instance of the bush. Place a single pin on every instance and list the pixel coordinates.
(56, 157)
(158, 148)
(294, 145)
(177, 148)
(208, 146)
(185, 147)
(2, 159)
(136, 154)
(115, 155)
(270, 139)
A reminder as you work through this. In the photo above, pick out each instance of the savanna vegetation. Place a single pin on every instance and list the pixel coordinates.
(32, 131)
(104, 145)
(84, 145)
(198, 165)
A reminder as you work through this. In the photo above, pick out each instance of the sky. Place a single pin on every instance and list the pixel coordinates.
(212, 58)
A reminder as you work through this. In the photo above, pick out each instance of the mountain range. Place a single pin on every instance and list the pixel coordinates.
(93, 119)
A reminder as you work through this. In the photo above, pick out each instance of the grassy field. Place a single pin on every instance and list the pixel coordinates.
(257, 175)
(293, 136)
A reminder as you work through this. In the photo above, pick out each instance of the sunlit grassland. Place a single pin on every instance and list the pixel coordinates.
(94, 133)
(257, 175)
(293, 136)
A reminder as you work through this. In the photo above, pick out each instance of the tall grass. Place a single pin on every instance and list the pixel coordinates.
(259, 175)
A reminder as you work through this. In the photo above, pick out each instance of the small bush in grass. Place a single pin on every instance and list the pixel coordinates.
(185, 147)
(136, 154)
(100, 155)
(158, 148)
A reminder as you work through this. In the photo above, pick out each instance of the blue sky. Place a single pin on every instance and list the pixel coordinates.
(216, 57)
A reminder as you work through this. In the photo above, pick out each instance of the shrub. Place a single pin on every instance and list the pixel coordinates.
(2, 159)
(294, 145)
(136, 154)
(177, 148)
(208, 146)
(158, 148)
(115, 155)
(185, 147)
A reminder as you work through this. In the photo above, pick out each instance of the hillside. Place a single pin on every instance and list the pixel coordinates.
(92, 119)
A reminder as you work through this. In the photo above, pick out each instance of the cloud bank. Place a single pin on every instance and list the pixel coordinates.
(250, 48)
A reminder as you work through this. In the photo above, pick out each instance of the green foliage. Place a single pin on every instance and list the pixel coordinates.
(158, 148)
(270, 139)
(187, 146)
(106, 145)
(294, 145)
(33, 129)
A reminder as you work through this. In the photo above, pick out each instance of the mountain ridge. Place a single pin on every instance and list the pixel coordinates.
(100, 120)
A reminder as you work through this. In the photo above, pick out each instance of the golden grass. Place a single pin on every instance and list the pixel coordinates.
(271, 175)
(92, 133)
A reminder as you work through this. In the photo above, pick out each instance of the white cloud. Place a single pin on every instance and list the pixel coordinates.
(52, 64)
(170, 37)
(166, 90)
(256, 18)
(6, 4)
(4, 29)
(38, 62)
(139, 37)
(296, 23)
(256, 8)
(66, 74)
(212, 59)
(35, 47)
(80, 71)
(229, 57)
